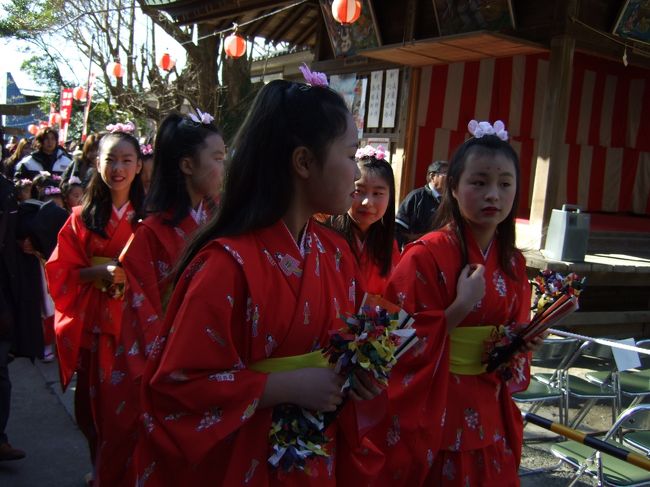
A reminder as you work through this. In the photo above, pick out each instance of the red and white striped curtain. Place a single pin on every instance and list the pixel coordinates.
(606, 156)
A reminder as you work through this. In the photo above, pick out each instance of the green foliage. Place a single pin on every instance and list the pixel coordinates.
(25, 18)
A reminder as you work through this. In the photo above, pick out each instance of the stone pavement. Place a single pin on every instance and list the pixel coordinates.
(41, 423)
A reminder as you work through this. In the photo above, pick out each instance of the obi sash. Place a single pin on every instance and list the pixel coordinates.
(467, 349)
(98, 260)
(292, 362)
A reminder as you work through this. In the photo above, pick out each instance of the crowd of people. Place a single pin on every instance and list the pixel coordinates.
(166, 276)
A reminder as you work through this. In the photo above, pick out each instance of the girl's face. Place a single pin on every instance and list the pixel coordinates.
(370, 199)
(207, 169)
(75, 193)
(331, 190)
(486, 190)
(118, 164)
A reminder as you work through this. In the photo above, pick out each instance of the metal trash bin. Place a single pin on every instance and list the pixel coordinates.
(568, 234)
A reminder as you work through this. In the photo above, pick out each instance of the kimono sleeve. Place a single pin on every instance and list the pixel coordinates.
(143, 317)
(200, 391)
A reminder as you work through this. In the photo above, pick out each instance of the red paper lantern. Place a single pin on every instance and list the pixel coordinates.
(79, 93)
(55, 118)
(32, 129)
(346, 11)
(235, 46)
(166, 63)
(115, 69)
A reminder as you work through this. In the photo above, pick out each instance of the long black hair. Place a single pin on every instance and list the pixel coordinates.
(178, 137)
(380, 238)
(258, 182)
(449, 212)
(97, 203)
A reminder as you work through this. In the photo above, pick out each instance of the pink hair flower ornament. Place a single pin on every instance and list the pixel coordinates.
(201, 117)
(313, 78)
(124, 128)
(51, 190)
(369, 151)
(479, 129)
(146, 149)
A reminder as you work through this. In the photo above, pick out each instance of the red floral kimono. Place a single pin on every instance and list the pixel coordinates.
(242, 300)
(371, 279)
(149, 264)
(87, 327)
(445, 428)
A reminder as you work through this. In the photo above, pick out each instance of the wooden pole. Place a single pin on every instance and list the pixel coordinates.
(620, 453)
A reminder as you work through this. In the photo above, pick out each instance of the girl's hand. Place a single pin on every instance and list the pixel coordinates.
(535, 344)
(318, 389)
(364, 386)
(115, 274)
(470, 288)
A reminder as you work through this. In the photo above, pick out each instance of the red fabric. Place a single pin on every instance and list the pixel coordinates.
(87, 327)
(493, 466)
(149, 264)
(201, 426)
(428, 405)
(371, 279)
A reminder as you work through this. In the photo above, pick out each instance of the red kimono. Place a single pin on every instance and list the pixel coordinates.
(87, 327)
(445, 428)
(149, 264)
(371, 279)
(242, 300)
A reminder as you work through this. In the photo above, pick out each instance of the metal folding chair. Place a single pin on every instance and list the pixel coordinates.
(608, 471)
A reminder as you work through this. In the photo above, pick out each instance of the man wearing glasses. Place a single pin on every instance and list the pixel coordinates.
(415, 215)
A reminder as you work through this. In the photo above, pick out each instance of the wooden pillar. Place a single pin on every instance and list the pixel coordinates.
(551, 139)
(410, 86)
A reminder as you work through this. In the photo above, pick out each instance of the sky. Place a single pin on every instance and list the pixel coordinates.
(14, 53)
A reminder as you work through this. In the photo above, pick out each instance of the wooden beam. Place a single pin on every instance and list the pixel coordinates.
(407, 179)
(290, 22)
(551, 139)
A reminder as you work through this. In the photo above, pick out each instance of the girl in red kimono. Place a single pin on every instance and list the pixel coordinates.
(260, 287)
(450, 423)
(187, 177)
(87, 285)
(369, 224)
(186, 182)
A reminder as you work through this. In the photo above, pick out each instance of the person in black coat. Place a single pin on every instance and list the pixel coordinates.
(415, 215)
(9, 298)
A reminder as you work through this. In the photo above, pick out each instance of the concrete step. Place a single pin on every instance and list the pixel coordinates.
(627, 243)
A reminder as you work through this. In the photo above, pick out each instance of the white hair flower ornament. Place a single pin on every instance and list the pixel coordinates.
(201, 117)
(479, 129)
(369, 151)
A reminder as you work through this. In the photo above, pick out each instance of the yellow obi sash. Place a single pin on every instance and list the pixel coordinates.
(293, 362)
(467, 349)
(98, 260)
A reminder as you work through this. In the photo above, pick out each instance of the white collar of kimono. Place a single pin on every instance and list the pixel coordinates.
(199, 215)
(120, 212)
(303, 239)
(487, 250)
